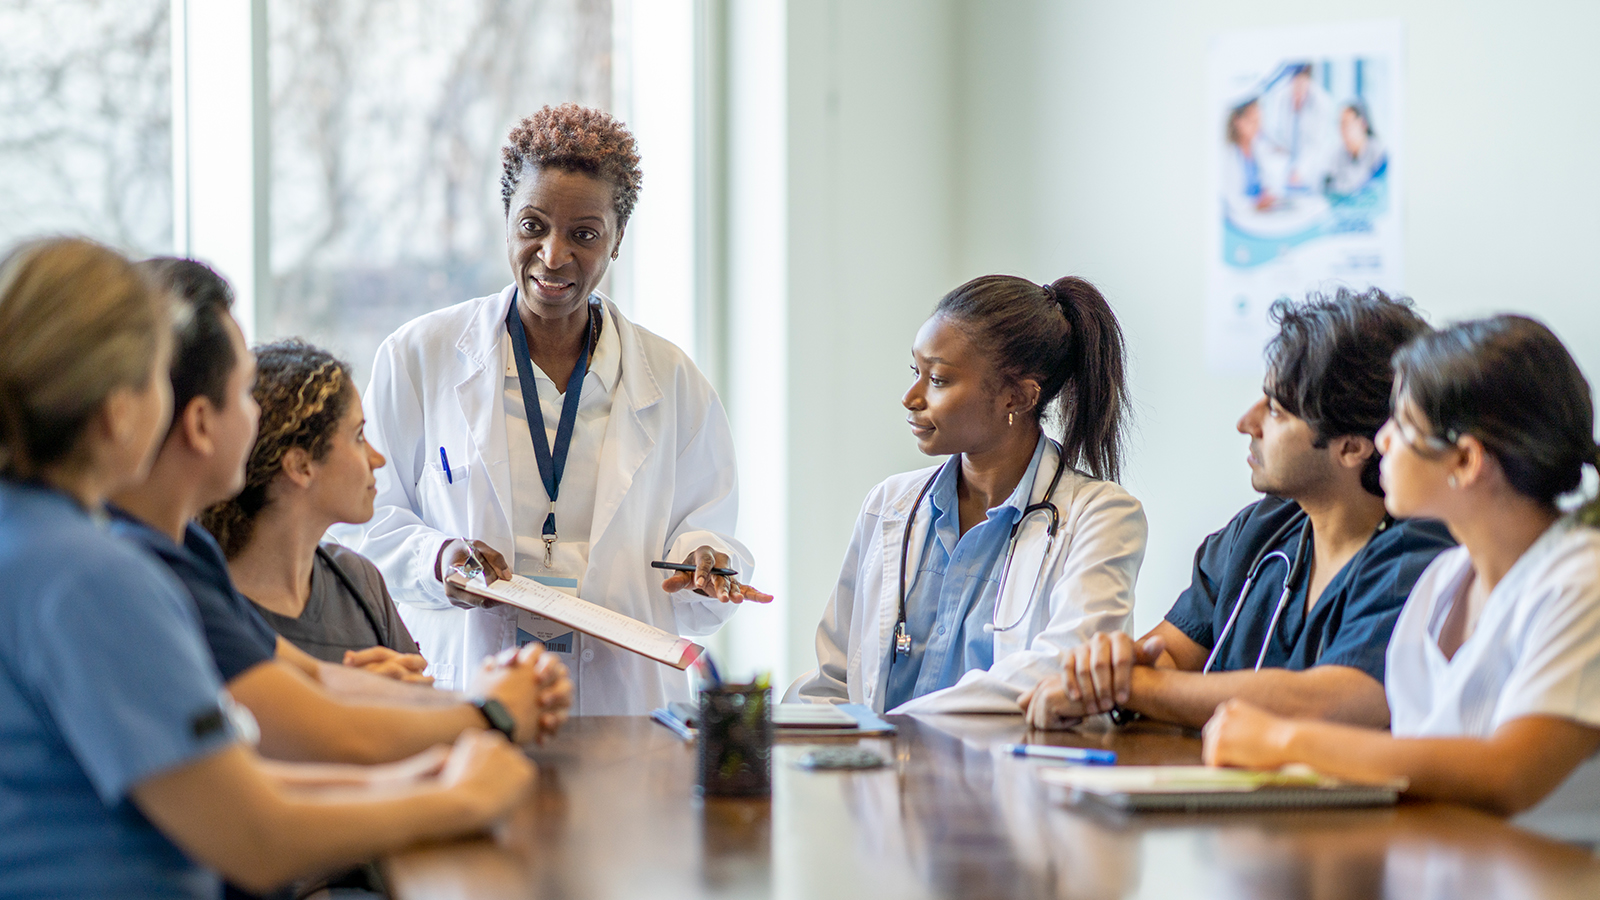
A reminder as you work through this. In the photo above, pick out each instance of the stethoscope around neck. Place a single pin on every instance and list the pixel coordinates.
(1294, 568)
(902, 639)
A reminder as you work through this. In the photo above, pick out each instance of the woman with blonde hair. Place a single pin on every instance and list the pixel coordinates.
(108, 696)
(312, 468)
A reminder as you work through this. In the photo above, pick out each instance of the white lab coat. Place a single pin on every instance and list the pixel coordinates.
(666, 485)
(1087, 587)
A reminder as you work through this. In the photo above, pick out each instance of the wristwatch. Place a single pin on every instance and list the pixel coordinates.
(1121, 715)
(498, 717)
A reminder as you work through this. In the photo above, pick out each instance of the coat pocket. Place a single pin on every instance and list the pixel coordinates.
(441, 497)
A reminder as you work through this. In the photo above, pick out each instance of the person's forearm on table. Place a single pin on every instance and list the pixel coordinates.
(301, 722)
(352, 683)
(1504, 774)
(1189, 698)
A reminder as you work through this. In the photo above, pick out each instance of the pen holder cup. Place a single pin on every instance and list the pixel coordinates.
(735, 737)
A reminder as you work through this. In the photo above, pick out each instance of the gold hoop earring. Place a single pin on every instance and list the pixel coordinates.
(1011, 418)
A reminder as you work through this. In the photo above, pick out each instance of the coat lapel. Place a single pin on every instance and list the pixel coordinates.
(874, 666)
(1026, 563)
(631, 430)
(480, 394)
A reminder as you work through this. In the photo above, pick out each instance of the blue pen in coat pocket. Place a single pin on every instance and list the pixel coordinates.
(444, 461)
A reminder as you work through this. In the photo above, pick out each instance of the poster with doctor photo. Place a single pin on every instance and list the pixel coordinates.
(1304, 134)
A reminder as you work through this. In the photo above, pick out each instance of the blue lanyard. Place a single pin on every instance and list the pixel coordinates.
(551, 462)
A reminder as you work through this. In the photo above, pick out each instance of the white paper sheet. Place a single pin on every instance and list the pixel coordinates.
(589, 618)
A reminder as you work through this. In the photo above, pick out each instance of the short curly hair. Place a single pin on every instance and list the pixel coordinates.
(303, 391)
(575, 139)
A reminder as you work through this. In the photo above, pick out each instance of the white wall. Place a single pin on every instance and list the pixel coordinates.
(871, 248)
(1081, 151)
(932, 142)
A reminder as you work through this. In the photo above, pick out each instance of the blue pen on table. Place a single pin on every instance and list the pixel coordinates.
(445, 461)
(1081, 755)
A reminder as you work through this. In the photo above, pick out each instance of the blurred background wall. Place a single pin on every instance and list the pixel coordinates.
(817, 174)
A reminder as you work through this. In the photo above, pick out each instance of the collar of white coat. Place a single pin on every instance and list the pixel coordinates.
(606, 364)
(898, 509)
(1019, 498)
(481, 342)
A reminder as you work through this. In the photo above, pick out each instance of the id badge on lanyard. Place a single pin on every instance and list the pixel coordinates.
(565, 575)
(556, 637)
(552, 463)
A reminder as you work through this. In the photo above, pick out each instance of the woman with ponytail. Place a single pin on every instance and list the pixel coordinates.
(966, 583)
(1493, 669)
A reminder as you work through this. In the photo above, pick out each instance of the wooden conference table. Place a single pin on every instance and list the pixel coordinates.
(614, 815)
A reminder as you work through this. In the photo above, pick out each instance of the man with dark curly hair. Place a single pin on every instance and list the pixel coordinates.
(1292, 603)
(541, 432)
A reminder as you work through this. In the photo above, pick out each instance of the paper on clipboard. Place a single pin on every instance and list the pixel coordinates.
(589, 618)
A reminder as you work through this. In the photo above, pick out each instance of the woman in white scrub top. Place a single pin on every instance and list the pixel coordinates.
(1493, 673)
(1023, 387)
(559, 440)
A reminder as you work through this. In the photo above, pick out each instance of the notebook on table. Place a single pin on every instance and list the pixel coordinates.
(1200, 788)
(816, 719)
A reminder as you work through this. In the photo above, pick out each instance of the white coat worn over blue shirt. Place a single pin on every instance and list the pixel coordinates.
(666, 485)
(1086, 587)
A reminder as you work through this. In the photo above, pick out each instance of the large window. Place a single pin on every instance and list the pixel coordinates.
(387, 118)
(86, 121)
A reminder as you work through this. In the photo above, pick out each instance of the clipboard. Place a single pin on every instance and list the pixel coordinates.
(592, 619)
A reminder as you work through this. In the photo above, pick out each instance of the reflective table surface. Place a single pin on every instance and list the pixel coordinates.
(615, 815)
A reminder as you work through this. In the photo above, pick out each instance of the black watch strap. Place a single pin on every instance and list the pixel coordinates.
(1121, 715)
(498, 717)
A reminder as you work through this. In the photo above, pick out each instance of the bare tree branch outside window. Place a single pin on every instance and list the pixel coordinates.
(86, 121)
(387, 118)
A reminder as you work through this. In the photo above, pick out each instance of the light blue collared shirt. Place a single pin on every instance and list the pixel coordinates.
(953, 592)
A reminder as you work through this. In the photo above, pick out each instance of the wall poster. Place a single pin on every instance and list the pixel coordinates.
(1304, 134)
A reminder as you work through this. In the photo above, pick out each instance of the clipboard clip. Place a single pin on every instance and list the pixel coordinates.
(472, 568)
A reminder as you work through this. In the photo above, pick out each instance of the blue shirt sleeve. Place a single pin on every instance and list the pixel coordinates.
(1394, 563)
(115, 654)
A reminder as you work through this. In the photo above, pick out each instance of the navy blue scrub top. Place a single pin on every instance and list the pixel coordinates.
(1352, 620)
(239, 638)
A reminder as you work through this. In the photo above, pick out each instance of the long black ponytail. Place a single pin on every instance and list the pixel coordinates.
(1065, 336)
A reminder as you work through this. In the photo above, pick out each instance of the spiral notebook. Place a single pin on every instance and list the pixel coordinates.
(1199, 788)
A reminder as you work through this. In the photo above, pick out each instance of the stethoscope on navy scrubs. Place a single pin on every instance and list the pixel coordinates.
(1295, 567)
(902, 640)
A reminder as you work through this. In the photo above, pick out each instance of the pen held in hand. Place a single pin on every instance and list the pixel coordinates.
(690, 567)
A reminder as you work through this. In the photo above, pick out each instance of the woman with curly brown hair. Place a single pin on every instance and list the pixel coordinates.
(554, 438)
(311, 468)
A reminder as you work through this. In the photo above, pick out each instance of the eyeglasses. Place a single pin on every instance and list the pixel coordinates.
(1436, 445)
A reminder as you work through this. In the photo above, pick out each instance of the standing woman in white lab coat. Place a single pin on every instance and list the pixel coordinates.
(628, 457)
(1023, 387)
